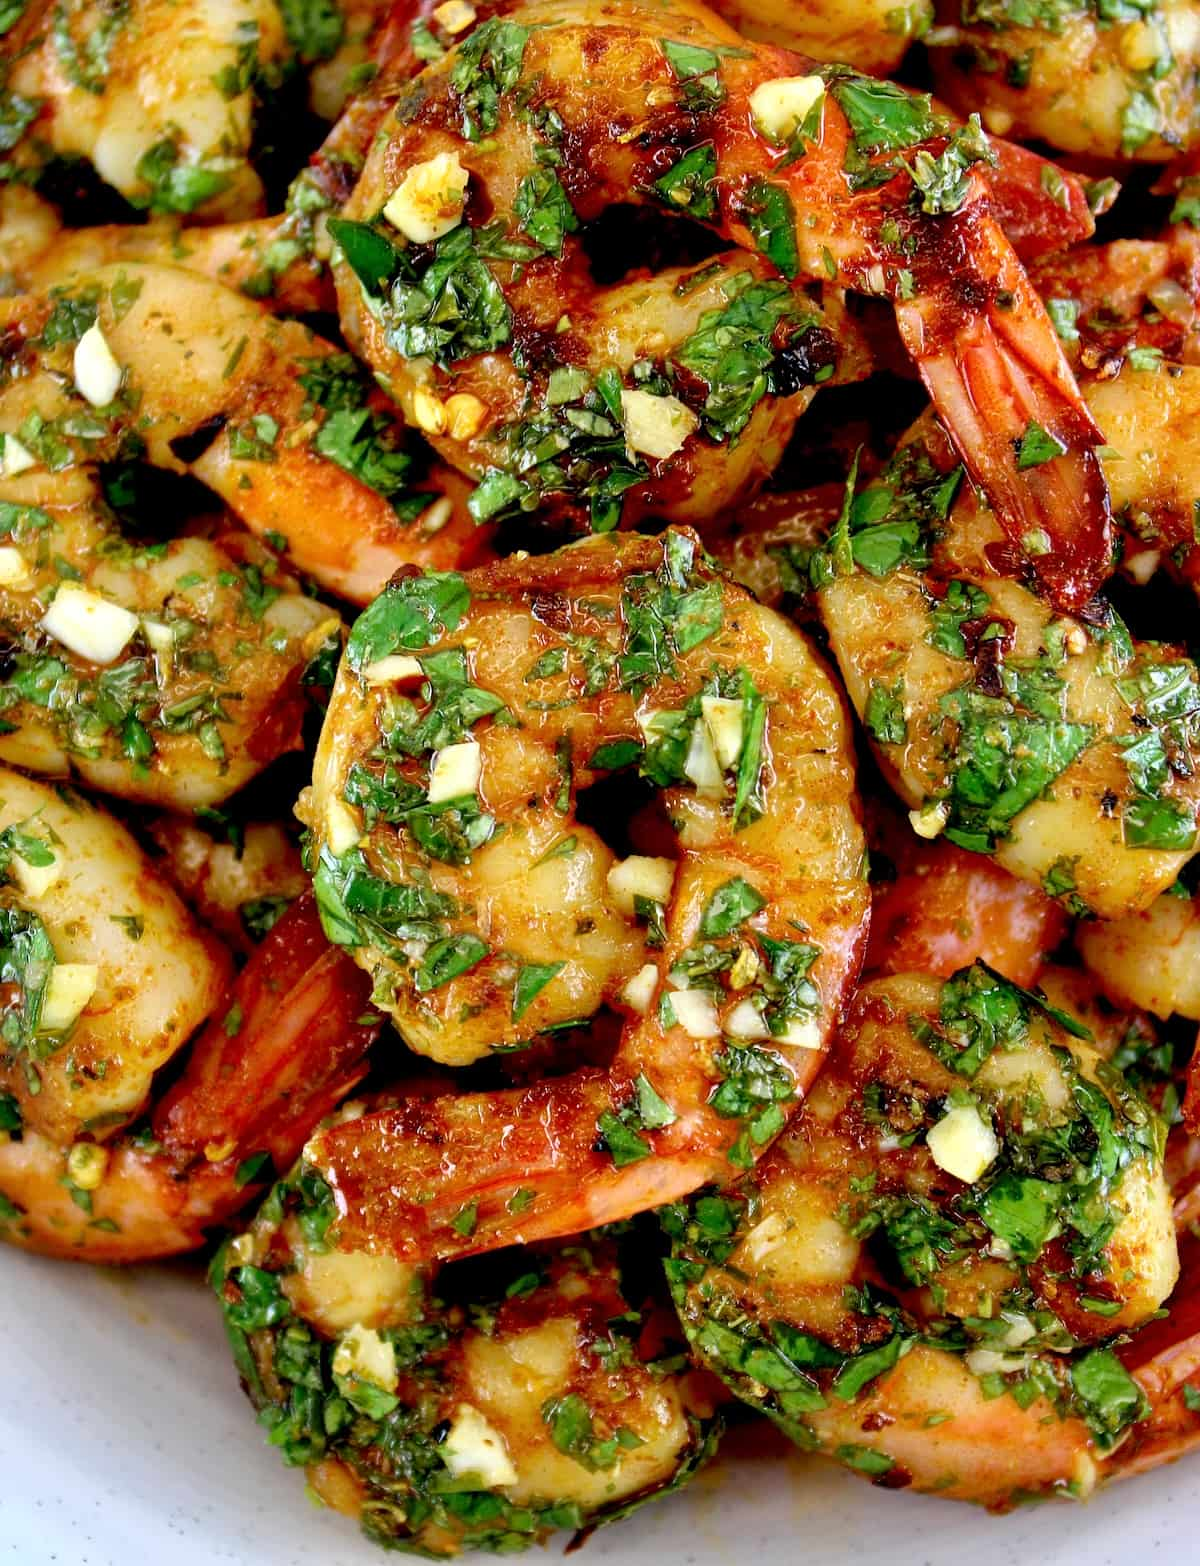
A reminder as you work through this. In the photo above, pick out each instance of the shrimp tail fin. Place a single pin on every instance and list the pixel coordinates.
(1164, 1358)
(995, 370)
(435, 1178)
(1040, 207)
(290, 1044)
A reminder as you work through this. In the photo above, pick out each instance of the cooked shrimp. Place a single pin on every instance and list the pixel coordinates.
(500, 345)
(240, 886)
(872, 35)
(284, 1045)
(937, 908)
(923, 1277)
(1128, 312)
(158, 95)
(758, 543)
(1060, 747)
(534, 1396)
(1110, 300)
(1164, 1357)
(1149, 415)
(338, 74)
(280, 259)
(106, 972)
(280, 425)
(1153, 1058)
(1149, 959)
(468, 713)
(28, 227)
(163, 672)
(1078, 76)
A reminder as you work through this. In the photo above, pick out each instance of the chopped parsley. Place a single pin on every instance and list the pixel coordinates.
(410, 613)
(729, 906)
(441, 301)
(767, 211)
(1037, 446)
(532, 979)
(487, 65)
(698, 72)
(884, 713)
(762, 342)
(174, 185)
(543, 210)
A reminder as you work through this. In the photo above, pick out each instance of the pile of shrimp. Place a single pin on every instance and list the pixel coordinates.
(599, 739)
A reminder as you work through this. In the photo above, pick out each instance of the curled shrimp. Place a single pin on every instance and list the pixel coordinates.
(1005, 725)
(284, 1044)
(1127, 312)
(467, 715)
(534, 1395)
(196, 678)
(259, 258)
(1074, 77)
(668, 119)
(1109, 300)
(1149, 959)
(165, 99)
(913, 1281)
(159, 97)
(1149, 415)
(202, 364)
(1164, 1358)
(239, 886)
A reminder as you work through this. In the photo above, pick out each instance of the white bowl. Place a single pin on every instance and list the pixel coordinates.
(126, 1441)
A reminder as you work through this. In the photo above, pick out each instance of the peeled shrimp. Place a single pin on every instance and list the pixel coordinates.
(194, 680)
(668, 116)
(158, 95)
(467, 714)
(1003, 724)
(285, 1044)
(109, 972)
(1149, 959)
(208, 369)
(914, 1281)
(239, 886)
(872, 35)
(536, 1397)
(1120, 85)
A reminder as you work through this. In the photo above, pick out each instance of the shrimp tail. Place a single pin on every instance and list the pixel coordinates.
(288, 1046)
(994, 368)
(1164, 1358)
(1041, 207)
(521, 1165)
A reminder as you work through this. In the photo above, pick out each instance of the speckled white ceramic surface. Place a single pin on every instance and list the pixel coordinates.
(125, 1441)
